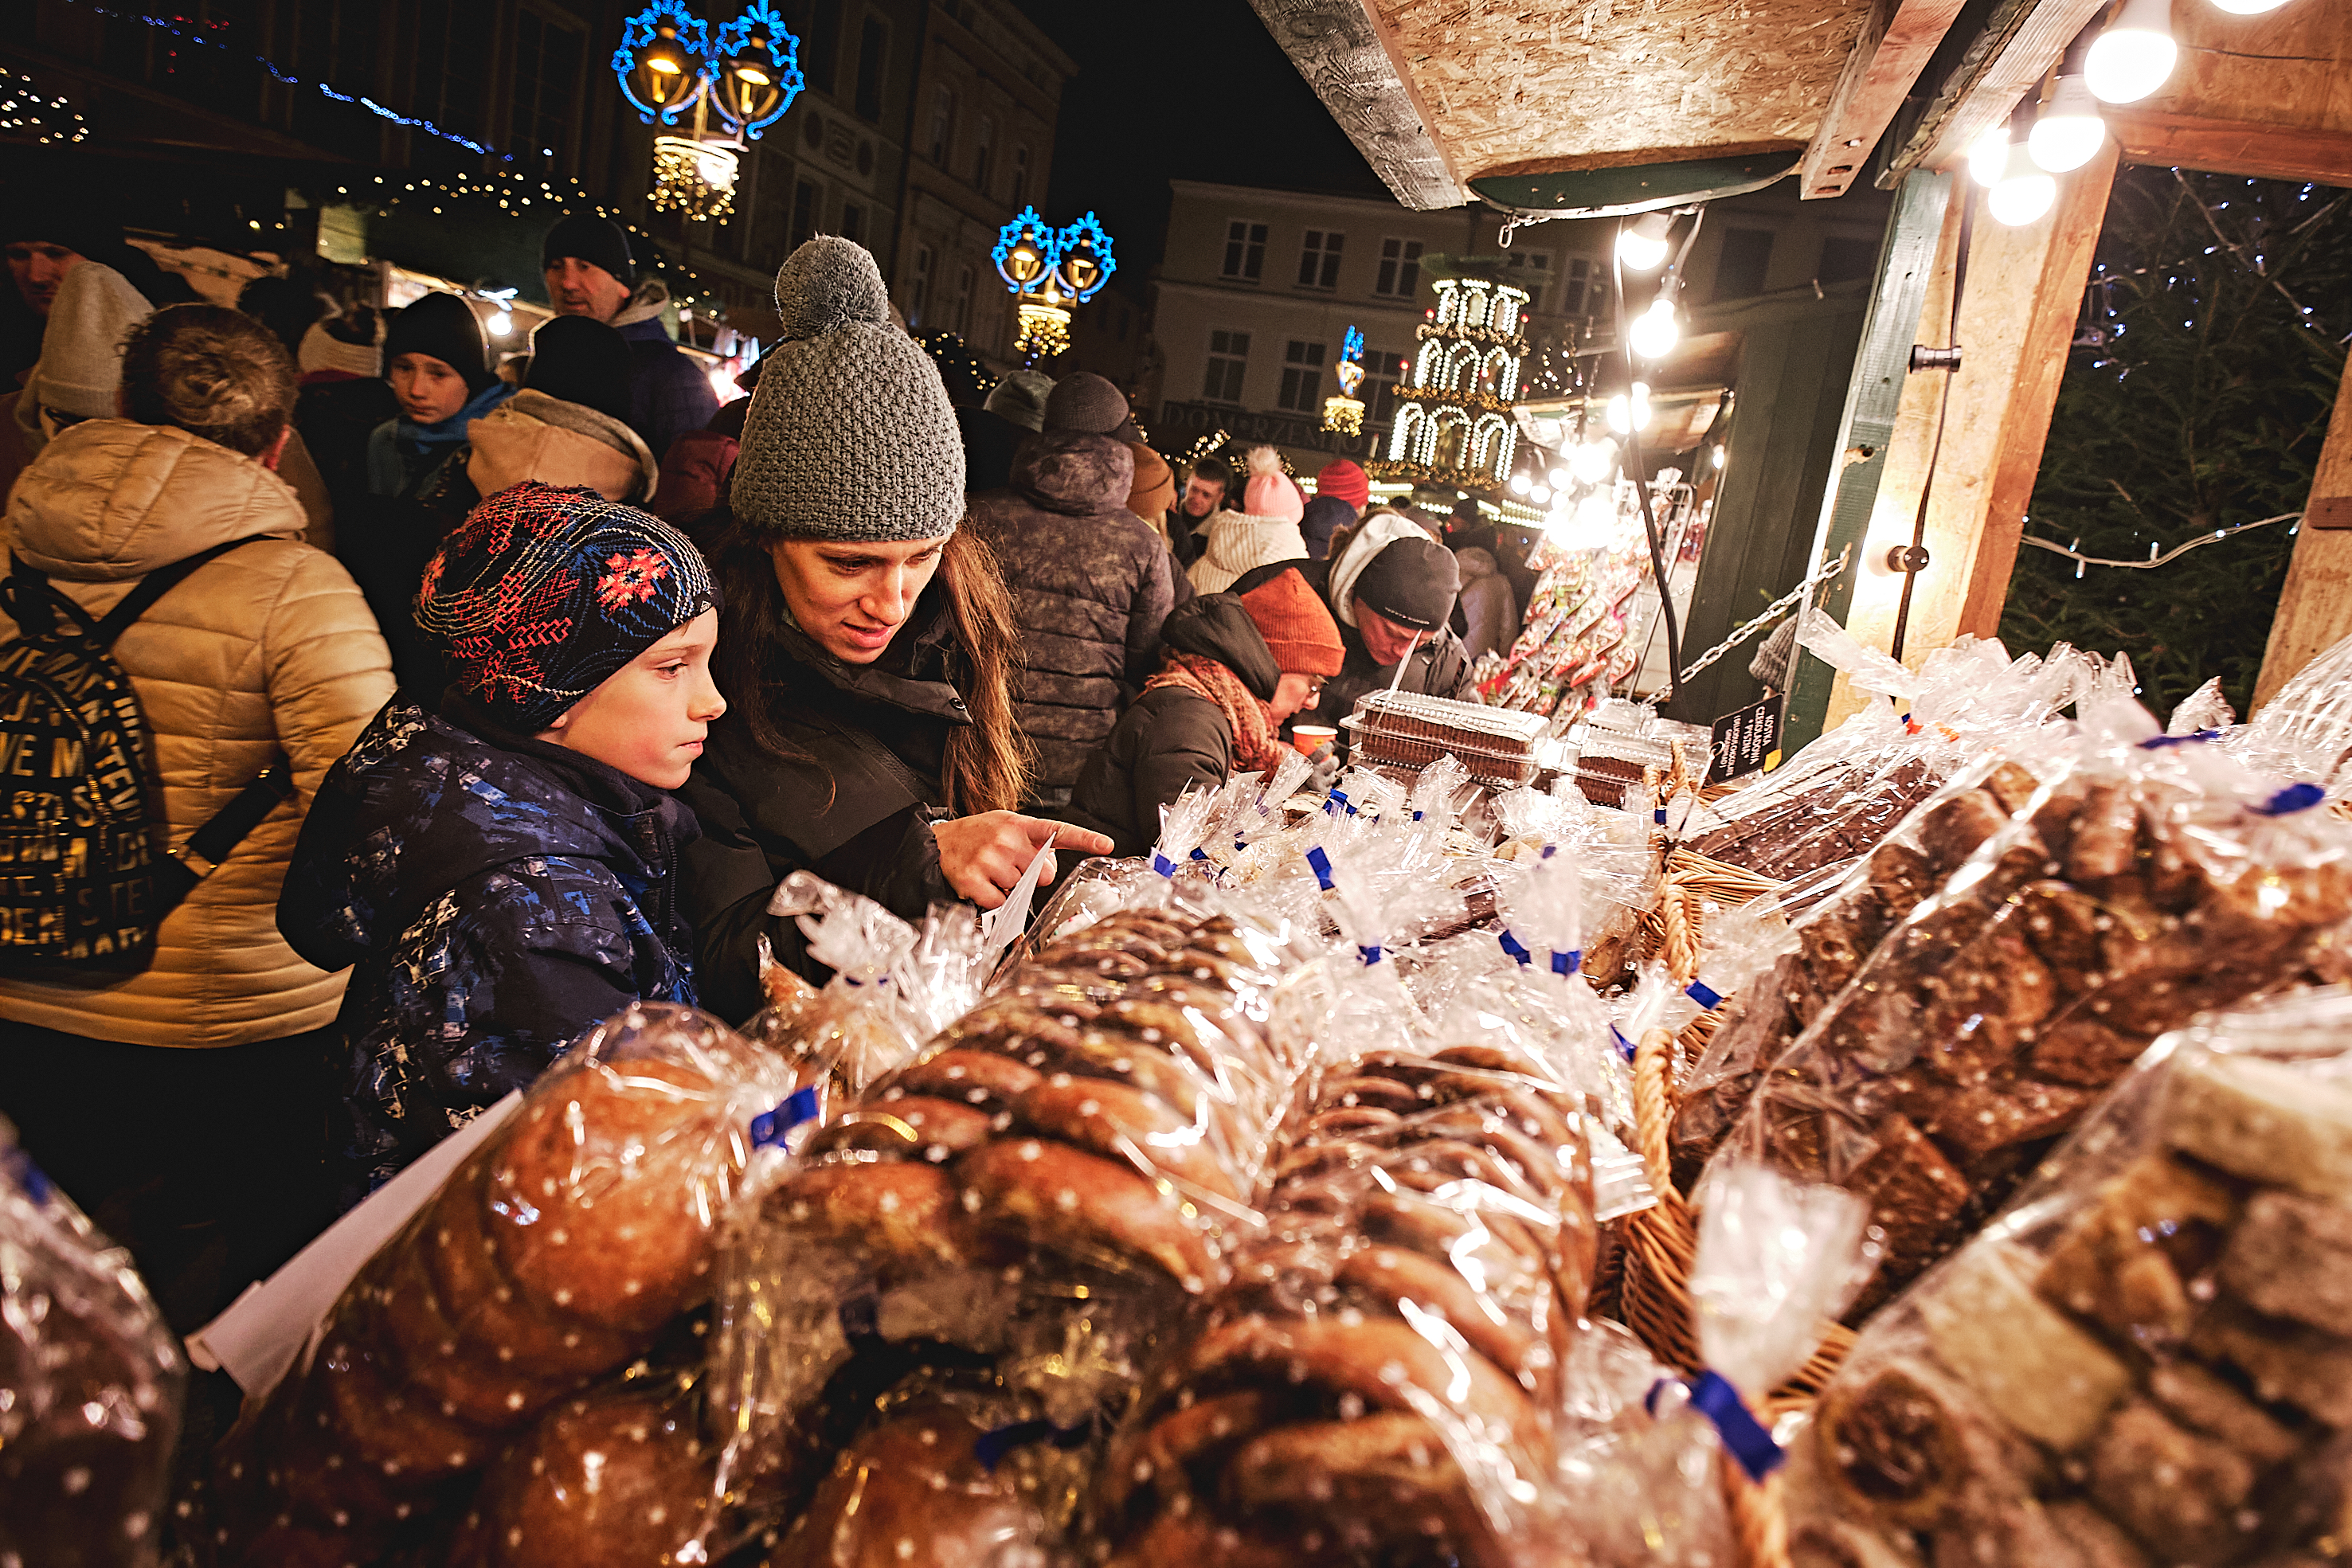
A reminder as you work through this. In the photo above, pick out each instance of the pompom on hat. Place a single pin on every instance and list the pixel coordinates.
(1270, 493)
(850, 436)
(543, 592)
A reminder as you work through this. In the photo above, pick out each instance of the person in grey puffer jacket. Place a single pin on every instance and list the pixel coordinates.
(1091, 582)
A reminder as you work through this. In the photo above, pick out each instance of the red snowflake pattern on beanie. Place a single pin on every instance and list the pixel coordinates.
(632, 579)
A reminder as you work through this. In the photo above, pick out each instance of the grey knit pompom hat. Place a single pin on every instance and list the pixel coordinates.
(849, 435)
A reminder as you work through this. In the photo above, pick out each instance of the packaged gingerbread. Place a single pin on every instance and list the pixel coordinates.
(2147, 1357)
(2305, 730)
(1031, 1200)
(562, 1250)
(90, 1385)
(2148, 879)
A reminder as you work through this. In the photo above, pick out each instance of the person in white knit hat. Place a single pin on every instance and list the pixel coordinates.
(1265, 530)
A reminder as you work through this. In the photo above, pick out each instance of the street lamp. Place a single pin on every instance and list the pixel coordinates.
(670, 61)
(1344, 415)
(1050, 272)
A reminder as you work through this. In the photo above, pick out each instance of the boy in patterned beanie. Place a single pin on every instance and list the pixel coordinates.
(499, 868)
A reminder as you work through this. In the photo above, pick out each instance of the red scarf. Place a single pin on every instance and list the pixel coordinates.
(1254, 746)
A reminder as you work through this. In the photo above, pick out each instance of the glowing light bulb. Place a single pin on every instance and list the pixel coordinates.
(1990, 155)
(1621, 418)
(2068, 132)
(1641, 244)
(501, 324)
(2133, 57)
(2247, 7)
(2024, 193)
(1720, 459)
(1541, 493)
(1593, 461)
(1656, 332)
(1559, 477)
(1519, 484)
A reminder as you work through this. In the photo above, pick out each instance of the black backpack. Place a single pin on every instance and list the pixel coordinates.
(85, 877)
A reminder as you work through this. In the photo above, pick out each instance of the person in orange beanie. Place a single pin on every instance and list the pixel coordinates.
(1237, 667)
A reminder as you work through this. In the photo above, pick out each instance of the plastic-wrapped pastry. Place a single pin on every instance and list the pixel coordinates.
(2148, 1358)
(2149, 879)
(1374, 1384)
(556, 1253)
(90, 1382)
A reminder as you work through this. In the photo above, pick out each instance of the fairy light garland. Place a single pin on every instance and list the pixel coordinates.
(23, 107)
(2155, 559)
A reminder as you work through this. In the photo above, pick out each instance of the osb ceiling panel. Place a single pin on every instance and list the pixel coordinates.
(1526, 87)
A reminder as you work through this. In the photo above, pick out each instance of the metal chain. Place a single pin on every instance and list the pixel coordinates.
(1772, 612)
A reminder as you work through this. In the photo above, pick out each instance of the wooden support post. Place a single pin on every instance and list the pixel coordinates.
(2315, 608)
(2017, 320)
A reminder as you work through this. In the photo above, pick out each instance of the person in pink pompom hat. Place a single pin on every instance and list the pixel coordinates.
(1264, 531)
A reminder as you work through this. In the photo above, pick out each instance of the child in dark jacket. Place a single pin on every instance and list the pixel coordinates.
(500, 865)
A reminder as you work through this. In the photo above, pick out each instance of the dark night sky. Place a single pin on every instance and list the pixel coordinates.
(1181, 90)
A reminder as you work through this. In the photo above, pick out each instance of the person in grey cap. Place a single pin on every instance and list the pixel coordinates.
(993, 431)
(866, 648)
(1091, 582)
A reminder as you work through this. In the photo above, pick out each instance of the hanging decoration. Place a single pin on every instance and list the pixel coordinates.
(1344, 415)
(1454, 422)
(1050, 272)
(23, 107)
(676, 73)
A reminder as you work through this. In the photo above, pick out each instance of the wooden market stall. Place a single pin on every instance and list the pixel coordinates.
(1598, 110)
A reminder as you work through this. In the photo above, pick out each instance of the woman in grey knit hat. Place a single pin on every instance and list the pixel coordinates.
(867, 649)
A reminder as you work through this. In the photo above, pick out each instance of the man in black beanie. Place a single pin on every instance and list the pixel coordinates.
(1391, 589)
(590, 272)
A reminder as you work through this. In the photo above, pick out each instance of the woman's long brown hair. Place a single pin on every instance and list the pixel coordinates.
(987, 765)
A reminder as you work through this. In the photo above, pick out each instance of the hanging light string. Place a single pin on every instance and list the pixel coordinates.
(2155, 559)
(24, 107)
(289, 78)
(2104, 283)
(2254, 262)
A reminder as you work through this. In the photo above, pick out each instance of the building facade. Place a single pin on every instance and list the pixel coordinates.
(986, 97)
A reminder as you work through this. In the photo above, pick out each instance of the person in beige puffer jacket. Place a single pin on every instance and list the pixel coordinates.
(185, 1105)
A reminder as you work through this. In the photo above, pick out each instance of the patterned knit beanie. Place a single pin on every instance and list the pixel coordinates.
(1298, 631)
(850, 436)
(541, 594)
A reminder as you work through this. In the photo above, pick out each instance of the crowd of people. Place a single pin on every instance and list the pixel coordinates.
(489, 694)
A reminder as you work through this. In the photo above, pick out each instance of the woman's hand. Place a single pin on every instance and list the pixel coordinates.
(982, 857)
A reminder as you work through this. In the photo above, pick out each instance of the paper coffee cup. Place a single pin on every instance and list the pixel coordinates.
(1311, 738)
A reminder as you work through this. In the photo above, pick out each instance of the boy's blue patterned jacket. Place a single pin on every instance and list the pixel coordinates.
(498, 895)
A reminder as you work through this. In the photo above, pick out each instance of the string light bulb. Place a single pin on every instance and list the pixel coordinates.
(1988, 155)
(1656, 332)
(1520, 485)
(2135, 55)
(2068, 132)
(1592, 461)
(2248, 7)
(1642, 244)
(2024, 193)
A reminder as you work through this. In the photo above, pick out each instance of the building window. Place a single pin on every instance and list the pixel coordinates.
(546, 90)
(1019, 177)
(853, 222)
(452, 69)
(1228, 358)
(873, 53)
(1302, 377)
(1746, 257)
(805, 197)
(983, 157)
(918, 291)
(820, 44)
(943, 114)
(1399, 274)
(1383, 372)
(1245, 250)
(964, 302)
(1530, 271)
(1318, 260)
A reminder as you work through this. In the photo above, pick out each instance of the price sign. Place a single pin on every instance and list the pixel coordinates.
(1746, 741)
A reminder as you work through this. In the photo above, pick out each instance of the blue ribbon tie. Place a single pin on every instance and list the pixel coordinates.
(1706, 996)
(1321, 865)
(1568, 963)
(1744, 1438)
(1550, 850)
(2293, 798)
(1658, 815)
(1199, 853)
(1417, 816)
(1337, 802)
(1162, 864)
(1511, 946)
(1370, 955)
(772, 1126)
(992, 1448)
(2167, 742)
(1624, 1046)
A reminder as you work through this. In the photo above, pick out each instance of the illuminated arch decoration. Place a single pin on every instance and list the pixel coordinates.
(742, 35)
(670, 21)
(1455, 426)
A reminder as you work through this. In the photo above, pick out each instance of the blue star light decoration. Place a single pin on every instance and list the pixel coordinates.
(638, 34)
(1082, 259)
(761, 18)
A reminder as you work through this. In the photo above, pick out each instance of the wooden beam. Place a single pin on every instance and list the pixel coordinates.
(2010, 75)
(1346, 57)
(2256, 151)
(2017, 318)
(2315, 608)
(1894, 48)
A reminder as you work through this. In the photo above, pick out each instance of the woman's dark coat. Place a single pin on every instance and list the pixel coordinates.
(496, 896)
(1172, 737)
